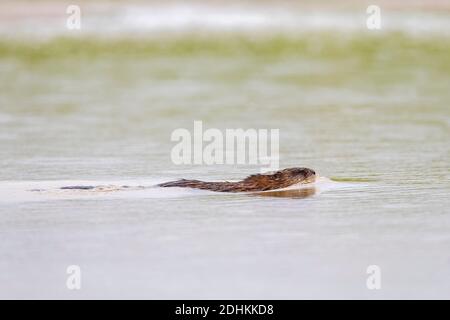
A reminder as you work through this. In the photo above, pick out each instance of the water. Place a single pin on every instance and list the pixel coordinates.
(369, 111)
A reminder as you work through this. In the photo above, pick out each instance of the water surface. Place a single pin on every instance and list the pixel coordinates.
(371, 111)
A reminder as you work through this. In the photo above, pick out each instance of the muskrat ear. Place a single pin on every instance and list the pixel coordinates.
(274, 175)
(277, 174)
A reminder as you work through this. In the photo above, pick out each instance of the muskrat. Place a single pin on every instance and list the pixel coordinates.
(256, 182)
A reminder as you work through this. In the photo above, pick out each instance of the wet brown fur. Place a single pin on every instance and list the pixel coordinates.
(257, 182)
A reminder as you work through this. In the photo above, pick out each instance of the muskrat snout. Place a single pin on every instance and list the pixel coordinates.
(312, 176)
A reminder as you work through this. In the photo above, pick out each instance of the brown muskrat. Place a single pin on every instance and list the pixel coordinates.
(256, 182)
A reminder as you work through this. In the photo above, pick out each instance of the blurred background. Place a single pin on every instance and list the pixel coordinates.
(367, 108)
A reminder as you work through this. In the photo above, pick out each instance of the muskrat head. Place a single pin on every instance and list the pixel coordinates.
(299, 175)
(276, 180)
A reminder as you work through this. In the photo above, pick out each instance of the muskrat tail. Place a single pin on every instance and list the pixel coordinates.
(197, 184)
(180, 183)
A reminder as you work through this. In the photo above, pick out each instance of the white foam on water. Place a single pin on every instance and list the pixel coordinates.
(26, 191)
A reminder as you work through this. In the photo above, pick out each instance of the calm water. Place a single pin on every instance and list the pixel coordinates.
(370, 111)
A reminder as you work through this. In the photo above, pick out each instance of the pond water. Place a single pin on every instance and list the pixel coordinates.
(370, 113)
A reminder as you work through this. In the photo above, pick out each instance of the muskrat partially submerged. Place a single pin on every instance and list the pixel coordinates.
(256, 182)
